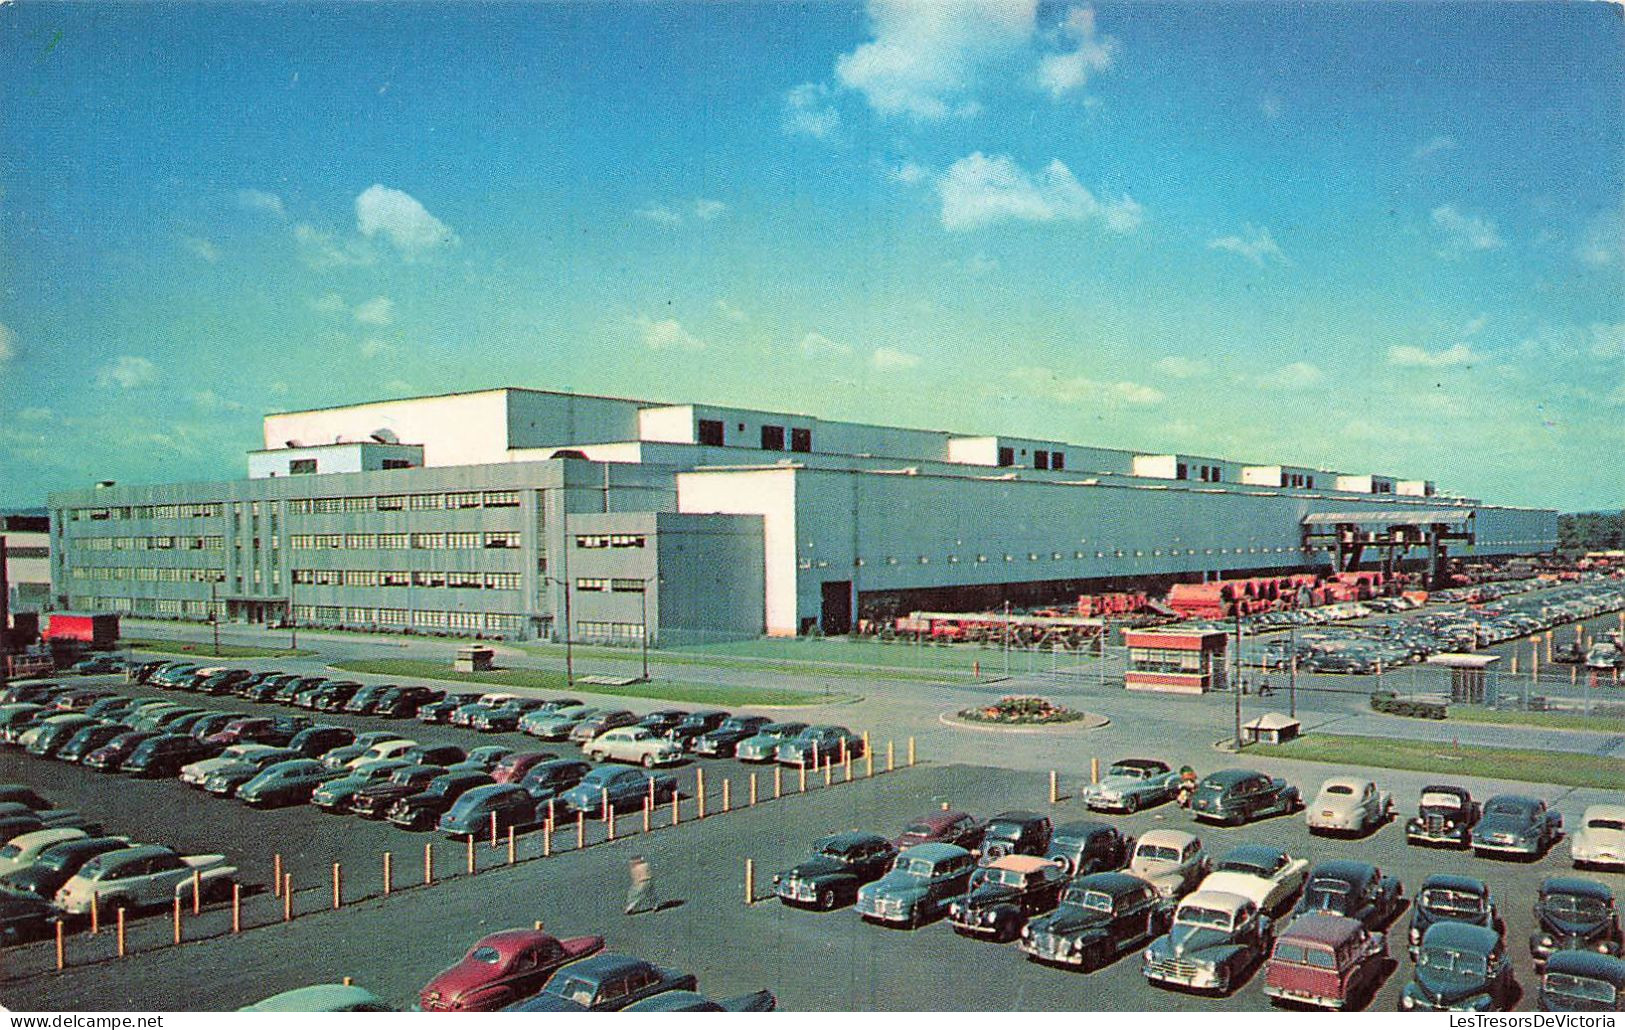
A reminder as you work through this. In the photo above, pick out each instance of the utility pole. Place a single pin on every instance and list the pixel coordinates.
(1007, 640)
(293, 623)
(1236, 687)
(5, 616)
(1292, 684)
(214, 613)
(643, 614)
(569, 655)
(1105, 642)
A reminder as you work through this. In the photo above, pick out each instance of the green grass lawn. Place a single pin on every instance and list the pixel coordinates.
(1544, 720)
(1529, 766)
(204, 649)
(547, 679)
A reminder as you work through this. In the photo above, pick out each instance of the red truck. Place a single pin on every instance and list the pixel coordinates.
(1327, 961)
(96, 630)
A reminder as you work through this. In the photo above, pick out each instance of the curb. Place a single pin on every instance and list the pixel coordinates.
(1089, 725)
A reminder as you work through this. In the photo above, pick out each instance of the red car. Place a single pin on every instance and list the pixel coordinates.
(502, 968)
(250, 730)
(958, 828)
(513, 768)
(1327, 961)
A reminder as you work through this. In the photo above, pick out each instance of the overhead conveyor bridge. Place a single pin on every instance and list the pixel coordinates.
(1346, 535)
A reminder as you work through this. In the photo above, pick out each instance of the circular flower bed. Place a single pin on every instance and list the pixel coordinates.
(1022, 711)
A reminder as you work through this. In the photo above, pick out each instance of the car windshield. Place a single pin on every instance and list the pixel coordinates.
(1605, 824)
(572, 988)
(1581, 987)
(1156, 853)
(1200, 915)
(999, 830)
(10, 851)
(1339, 788)
(916, 866)
(1438, 899)
(403, 777)
(1129, 772)
(1241, 865)
(487, 954)
(1304, 955)
(1575, 905)
(1437, 800)
(1457, 965)
(1094, 901)
(918, 830)
(1506, 808)
(1005, 877)
(834, 847)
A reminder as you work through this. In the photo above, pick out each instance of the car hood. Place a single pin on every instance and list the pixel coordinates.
(1184, 939)
(988, 894)
(897, 885)
(1444, 989)
(1502, 824)
(818, 865)
(1115, 784)
(546, 1003)
(1612, 840)
(1551, 922)
(1069, 920)
(342, 785)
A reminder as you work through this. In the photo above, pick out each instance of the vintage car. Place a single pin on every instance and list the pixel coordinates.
(1460, 968)
(1016, 832)
(285, 783)
(111, 755)
(1326, 961)
(818, 744)
(1348, 804)
(375, 800)
(1100, 916)
(54, 866)
(435, 712)
(196, 774)
(24, 917)
(1171, 861)
(321, 998)
(88, 739)
(695, 725)
(464, 716)
(623, 788)
(840, 864)
(1600, 840)
(397, 748)
(662, 719)
(341, 757)
(335, 795)
(483, 759)
(404, 702)
(638, 745)
(140, 877)
(551, 778)
(475, 811)
(1582, 981)
(1214, 939)
(1004, 895)
(922, 881)
(1132, 784)
(22, 850)
(604, 720)
(224, 781)
(605, 982)
(693, 1001)
(721, 742)
(556, 724)
(1088, 847)
(512, 769)
(163, 755)
(434, 754)
(764, 746)
(1446, 816)
(1452, 898)
(1265, 875)
(423, 810)
(1513, 824)
(1235, 796)
(504, 718)
(502, 968)
(1575, 914)
(1357, 890)
(945, 827)
(316, 741)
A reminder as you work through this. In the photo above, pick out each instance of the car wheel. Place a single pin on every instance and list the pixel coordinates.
(826, 899)
(648, 761)
(1131, 804)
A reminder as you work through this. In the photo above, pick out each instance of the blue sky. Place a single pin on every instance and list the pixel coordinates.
(1368, 237)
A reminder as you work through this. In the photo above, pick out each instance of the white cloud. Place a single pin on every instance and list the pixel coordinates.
(127, 372)
(1047, 384)
(201, 248)
(1181, 367)
(889, 359)
(706, 210)
(208, 400)
(1463, 232)
(399, 218)
(1063, 73)
(329, 303)
(1271, 106)
(817, 345)
(660, 214)
(373, 347)
(701, 209)
(260, 200)
(731, 313)
(1603, 242)
(808, 111)
(1475, 326)
(1293, 376)
(1254, 243)
(8, 344)
(1608, 340)
(927, 58)
(978, 191)
(1436, 145)
(909, 174)
(667, 334)
(377, 311)
(1408, 356)
(321, 250)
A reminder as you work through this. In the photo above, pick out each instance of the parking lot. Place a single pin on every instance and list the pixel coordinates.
(810, 960)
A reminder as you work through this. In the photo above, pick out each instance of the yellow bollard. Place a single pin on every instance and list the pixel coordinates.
(868, 760)
(547, 837)
(848, 765)
(778, 782)
(727, 805)
(197, 891)
(604, 813)
(95, 915)
(676, 808)
(1094, 770)
(609, 824)
(287, 897)
(493, 830)
(177, 919)
(829, 760)
(121, 931)
(890, 765)
(236, 908)
(1052, 788)
(911, 751)
(801, 767)
(348, 982)
(61, 948)
(648, 813)
(513, 853)
(428, 864)
(750, 882)
(699, 792)
(338, 886)
(471, 854)
(752, 790)
(581, 830)
(537, 926)
(276, 875)
(387, 871)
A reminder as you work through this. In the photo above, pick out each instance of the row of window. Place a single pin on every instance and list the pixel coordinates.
(982, 559)
(1160, 659)
(210, 509)
(403, 541)
(148, 606)
(597, 540)
(1206, 473)
(405, 502)
(713, 433)
(149, 543)
(147, 574)
(1046, 460)
(494, 622)
(619, 586)
(400, 578)
(611, 631)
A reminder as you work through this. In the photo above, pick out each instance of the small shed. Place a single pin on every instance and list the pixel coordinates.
(1469, 679)
(1271, 728)
(474, 658)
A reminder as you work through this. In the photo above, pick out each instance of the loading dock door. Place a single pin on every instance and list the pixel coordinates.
(837, 611)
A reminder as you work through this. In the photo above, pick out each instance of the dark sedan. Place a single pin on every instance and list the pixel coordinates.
(440, 711)
(548, 780)
(88, 739)
(1235, 796)
(375, 800)
(726, 738)
(111, 755)
(840, 864)
(694, 726)
(1357, 890)
(624, 788)
(164, 755)
(472, 813)
(606, 982)
(421, 811)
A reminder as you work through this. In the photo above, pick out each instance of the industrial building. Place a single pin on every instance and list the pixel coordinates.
(508, 512)
(27, 580)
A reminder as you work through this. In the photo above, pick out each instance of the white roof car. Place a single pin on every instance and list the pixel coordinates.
(1600, 840)
(23, 849)
(383, 749)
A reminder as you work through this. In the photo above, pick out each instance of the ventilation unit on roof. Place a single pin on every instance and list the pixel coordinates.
(292, 443)
(385, 436)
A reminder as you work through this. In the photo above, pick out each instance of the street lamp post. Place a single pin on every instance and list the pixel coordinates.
(1292, 684)
(214, 614)
(1236, 687)
(569, 654)
(643, 617)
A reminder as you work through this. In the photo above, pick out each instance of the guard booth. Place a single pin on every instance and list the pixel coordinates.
(474, 658)
(1175, 661)
(1470, 681)
(1271, 728)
